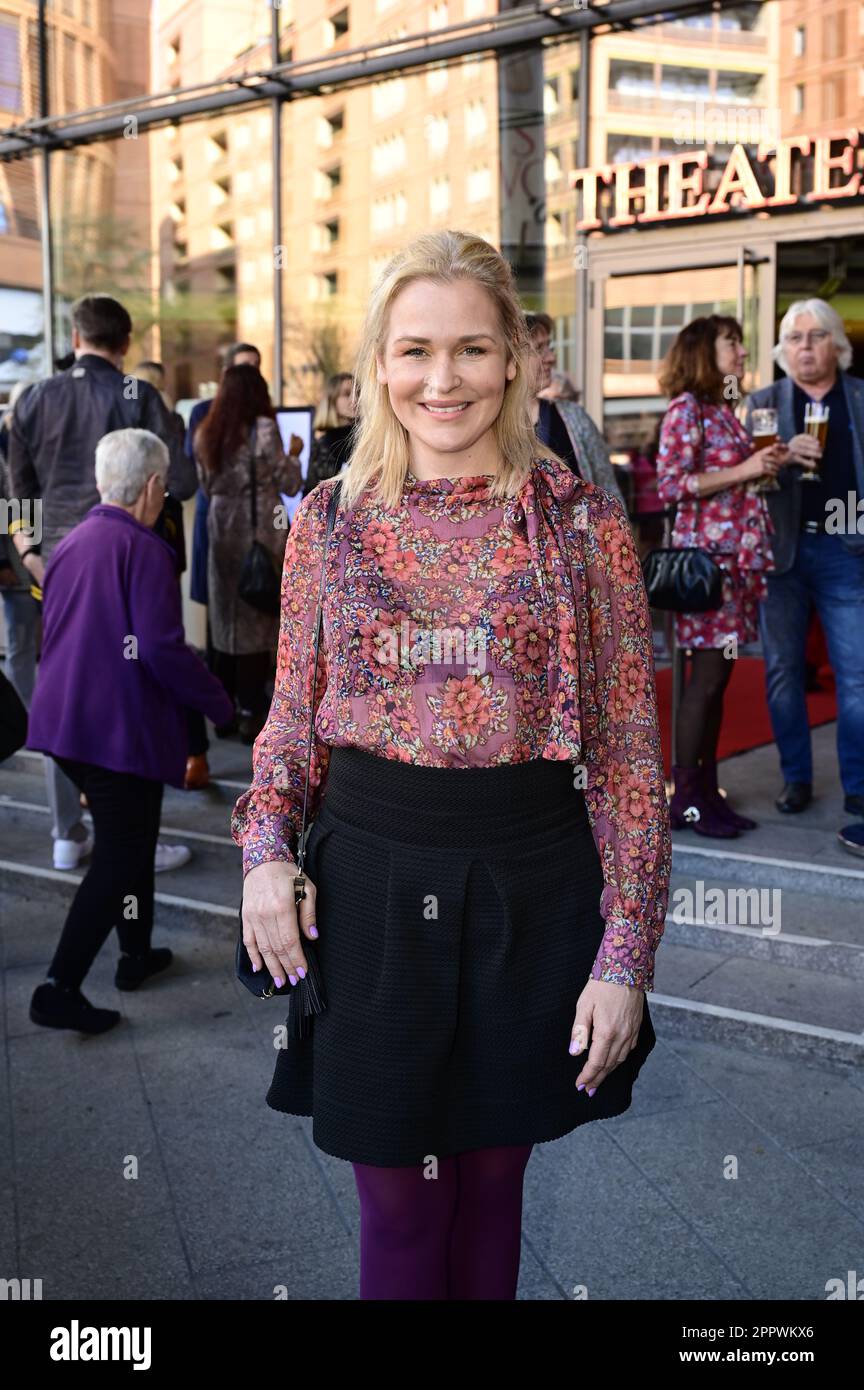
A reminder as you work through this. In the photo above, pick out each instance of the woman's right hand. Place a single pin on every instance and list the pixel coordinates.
(270, 925)
(765, 463)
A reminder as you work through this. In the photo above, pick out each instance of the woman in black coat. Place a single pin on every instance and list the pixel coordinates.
(334, 431)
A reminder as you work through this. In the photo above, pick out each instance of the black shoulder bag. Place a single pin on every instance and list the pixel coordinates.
(259, 583)
(685, 580)
(307, 997)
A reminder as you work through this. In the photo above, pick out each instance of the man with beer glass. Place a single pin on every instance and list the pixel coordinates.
(818, 408)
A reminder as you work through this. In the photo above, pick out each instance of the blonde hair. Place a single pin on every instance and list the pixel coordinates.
(327, 417)
(380, 458)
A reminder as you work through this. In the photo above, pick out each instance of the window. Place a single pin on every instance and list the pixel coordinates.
(325, 235)
(328, 181)
(331, 126)
(739, 87)
(799, 41)
(437, 79)
(833, 34)
(833, 98)
(479, 184)
(388, 213)
(388, 97)
(798, 99)
(574, 84)
(10, 67)
(622, 149)
(631, 79)
(388, 155)
(439, 196)
(336, 27)
(553, 170)
(678, 82)
(551, 103)
(476, 121)
(437, 134)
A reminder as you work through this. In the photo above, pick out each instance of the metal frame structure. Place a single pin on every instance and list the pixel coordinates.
(492, 36)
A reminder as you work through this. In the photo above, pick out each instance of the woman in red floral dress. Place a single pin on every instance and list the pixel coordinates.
(706, 464)
(490, 850)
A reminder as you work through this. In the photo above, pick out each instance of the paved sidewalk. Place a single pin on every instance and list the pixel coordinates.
(733, 1175)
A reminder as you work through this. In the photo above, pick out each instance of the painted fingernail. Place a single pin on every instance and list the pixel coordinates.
(575, 1046)
(592, 1091)
(293, 979)
(277, 981)
(313, 930)
(581, 1087)
(254, 968)
(301, 972)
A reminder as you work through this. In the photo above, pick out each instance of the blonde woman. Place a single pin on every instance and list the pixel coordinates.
(490, 855)
(333, 428)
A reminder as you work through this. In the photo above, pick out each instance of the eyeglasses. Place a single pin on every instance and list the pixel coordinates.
(817, 335)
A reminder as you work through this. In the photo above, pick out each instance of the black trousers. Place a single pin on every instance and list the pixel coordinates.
(117, 890)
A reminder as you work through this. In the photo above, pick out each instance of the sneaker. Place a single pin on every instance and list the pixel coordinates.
(58, 1006)
(69, 853)
(170, 857)
(132, 971)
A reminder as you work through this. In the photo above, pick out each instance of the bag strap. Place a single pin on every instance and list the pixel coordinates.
(253, 490)
(331, 517)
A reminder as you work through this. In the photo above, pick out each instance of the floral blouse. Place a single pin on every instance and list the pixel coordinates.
(734, 521)
(549, 581)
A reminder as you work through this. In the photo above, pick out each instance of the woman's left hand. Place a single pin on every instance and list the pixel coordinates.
(610, 1016)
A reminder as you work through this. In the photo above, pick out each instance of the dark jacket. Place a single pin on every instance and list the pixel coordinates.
(55, 429)
(785, 505)
(116, 673)
(330, 452)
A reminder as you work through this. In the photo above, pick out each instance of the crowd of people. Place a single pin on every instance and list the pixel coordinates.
(111, 469)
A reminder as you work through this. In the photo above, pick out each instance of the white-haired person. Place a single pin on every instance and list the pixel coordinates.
(818, 547)
(109, 708)
(490, 855)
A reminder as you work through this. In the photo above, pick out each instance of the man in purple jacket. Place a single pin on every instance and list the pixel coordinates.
(115, 677)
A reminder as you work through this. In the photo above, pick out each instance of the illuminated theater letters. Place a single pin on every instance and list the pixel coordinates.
(796, 172)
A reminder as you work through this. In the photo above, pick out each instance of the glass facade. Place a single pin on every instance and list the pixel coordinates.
(178, 221)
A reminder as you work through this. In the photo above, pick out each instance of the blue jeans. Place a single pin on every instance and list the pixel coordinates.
(827, 575)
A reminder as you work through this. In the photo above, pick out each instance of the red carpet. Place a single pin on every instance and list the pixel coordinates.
(746, 723)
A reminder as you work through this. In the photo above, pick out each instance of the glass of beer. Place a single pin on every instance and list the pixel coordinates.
(815, 423)
(764, 433)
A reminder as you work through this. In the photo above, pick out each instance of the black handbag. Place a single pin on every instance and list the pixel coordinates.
(684, 580)
(259, 584)
(306, 998)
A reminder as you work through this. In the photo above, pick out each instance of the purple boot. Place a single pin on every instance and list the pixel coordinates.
(721, 806)
(691, 807)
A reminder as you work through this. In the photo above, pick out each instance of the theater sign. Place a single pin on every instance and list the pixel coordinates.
(797, 173)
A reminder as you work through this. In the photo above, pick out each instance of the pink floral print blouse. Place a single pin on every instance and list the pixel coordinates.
(558, 662)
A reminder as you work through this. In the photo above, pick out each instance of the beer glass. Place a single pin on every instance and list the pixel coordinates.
(764, 433)
(815, 423)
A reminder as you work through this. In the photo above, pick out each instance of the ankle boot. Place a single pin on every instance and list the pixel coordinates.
(690, 806)
(720, 804)
(62, 1006)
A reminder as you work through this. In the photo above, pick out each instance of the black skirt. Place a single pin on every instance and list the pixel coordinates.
(458, 912)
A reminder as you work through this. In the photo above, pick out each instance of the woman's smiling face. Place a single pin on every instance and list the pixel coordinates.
(446, 366)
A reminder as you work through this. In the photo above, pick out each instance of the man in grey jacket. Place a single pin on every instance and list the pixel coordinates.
(818, 546)
(56, 426)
